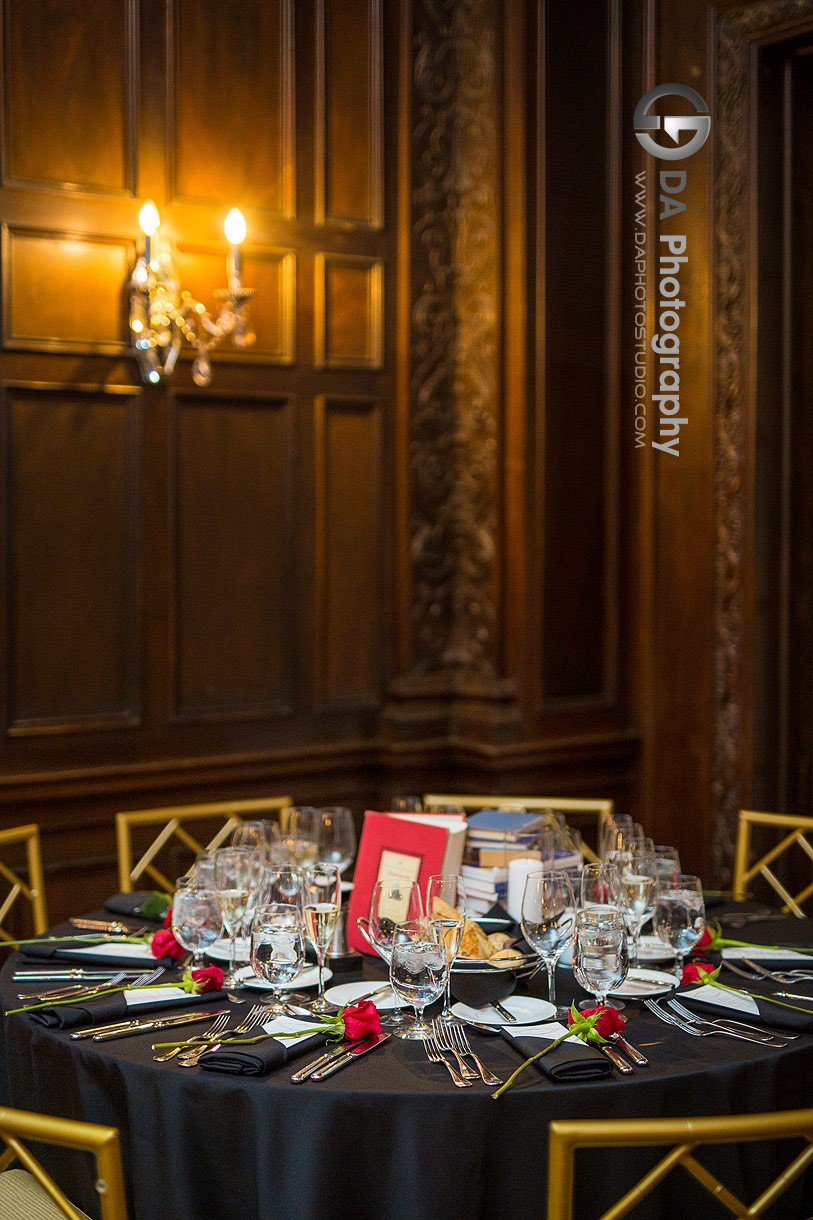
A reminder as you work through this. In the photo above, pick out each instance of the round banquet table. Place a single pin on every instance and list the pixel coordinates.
(390, 1136)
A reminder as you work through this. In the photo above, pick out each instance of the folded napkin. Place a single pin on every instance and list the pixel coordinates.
(258, 1058)
(751, 1008)
(107, 953)
(573, 1062)
(772, 959)
(140, 904)
(118, 1006)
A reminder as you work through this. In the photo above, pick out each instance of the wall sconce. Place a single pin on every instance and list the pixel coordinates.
(162, 315)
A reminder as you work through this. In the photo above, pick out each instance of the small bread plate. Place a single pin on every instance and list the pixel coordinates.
(646, 983)
(348, 993)
(527, 1009)
(221, 949)
(308, 978)
(653, 949)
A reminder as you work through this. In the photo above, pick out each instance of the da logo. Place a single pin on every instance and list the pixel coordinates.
(672, 124)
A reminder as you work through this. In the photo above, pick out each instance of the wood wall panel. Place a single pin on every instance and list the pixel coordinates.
(71, 542)
(349, 183)
(349, 579)
(69, 118)
(272, 311)
(234, 603)
(64, 292)
(232, 101)
(349, 311)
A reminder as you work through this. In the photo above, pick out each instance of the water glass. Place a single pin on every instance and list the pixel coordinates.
(196, 919)
(446, 907)
(418, 970)
(392, 902)
(548, 918)
(636, 885)
(277, 949)
(321, 903)
(680, 914)
(600, 958)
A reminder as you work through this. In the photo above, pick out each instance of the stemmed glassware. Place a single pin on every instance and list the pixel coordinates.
(256, 835)
(548, 919)
(196, 919)
(235, 877)
(335, 835)
(277, 949)
(680, 914)
(600, 958)
(597, 886)
(281, 885)
(392, 902)
(321, 901)
(636, 885)
(418, 970)
(293, 843)
(445, 894)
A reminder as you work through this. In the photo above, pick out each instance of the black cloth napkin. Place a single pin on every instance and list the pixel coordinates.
(769, 1014)
(52, 952)
(260, 1057)
(574, 1062)
(140, 904)
(113, 1007)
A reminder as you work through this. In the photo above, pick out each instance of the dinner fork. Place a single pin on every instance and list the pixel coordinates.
(459, 1036)
(672, 1019)
(779, 976)
(74, 991)
(253, 1018)
(444, 1041)
(723, 1025)
(219, 1025)
(434, 1054)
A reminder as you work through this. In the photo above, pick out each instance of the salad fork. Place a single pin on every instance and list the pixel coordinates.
(253, 1018)
(459, 1035)
(722, 1025)
(671, 1018)
(433, 1053)
(219, 1025)
(444, 1041)
(779, 976)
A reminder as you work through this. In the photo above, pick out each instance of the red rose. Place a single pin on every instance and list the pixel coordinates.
(706, 938)
(361, 1020)
(696, 972)
(168, 917)
(164, 944)
(207, 978)
(610, 1021)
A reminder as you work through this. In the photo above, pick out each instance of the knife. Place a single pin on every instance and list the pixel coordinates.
(615, 1059)
(322, 1061)
(180, 1018)
(139, 1027)
(631, 1052)
(353, 1052)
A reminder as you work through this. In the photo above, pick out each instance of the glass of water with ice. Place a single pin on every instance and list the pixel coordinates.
(418, 969)
(680, 913)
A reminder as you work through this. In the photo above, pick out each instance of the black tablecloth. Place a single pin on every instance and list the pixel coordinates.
(391, 1137)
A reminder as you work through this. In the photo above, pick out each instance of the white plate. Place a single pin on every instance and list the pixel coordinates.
(645, 983)
(135, 953)
(346, 993)
(308, 978)
(527, 1010)
(653, 949)
(221, 950)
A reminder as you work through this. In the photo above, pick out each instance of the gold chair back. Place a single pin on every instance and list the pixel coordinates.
(33, 890)
(798, 828)
(683, 1136)
(172, 821)
(19, 1125)
(600, 809)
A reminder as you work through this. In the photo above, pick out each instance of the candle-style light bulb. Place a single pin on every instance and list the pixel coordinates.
(149, 220)
(235, 230)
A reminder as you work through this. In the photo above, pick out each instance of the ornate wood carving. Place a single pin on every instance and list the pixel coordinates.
(736, 31)
(453, 438)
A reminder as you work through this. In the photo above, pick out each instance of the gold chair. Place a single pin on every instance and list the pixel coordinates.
(31, 1191)
(743, 872)
(601, 809)
(684, 1134)
(171, 820)
(34, 889)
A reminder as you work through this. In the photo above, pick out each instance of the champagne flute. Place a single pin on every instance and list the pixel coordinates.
(680, 914)
(321, 901)
(636, 885)
(196, 919)
(418, 970)
(277, 949)
(445, 895)
(234, 876)
(548, 919)
(393, 901)
(600, 958)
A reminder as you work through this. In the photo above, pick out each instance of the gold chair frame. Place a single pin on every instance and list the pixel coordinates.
(34, 889)
(103, 1142)
(560, 804)
(743, 873)
(685, 1134)
(172, 817)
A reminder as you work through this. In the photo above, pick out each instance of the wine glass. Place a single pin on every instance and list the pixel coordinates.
(548, 919)
(667, 861)
(256, 835)
(418, 970)
(335, 836)
(600, 958)
(196, 919)
(277, 949)
(597, 885)
(203, 870)
(282, 885)
(393, 901)
(680, 914)
(321, 901)
(445, 894)
(234, 878)
(293, 843)
(636, 885)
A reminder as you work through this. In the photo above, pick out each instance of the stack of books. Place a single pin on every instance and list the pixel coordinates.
(494, 838)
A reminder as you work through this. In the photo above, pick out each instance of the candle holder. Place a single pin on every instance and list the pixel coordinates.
(163, 316)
